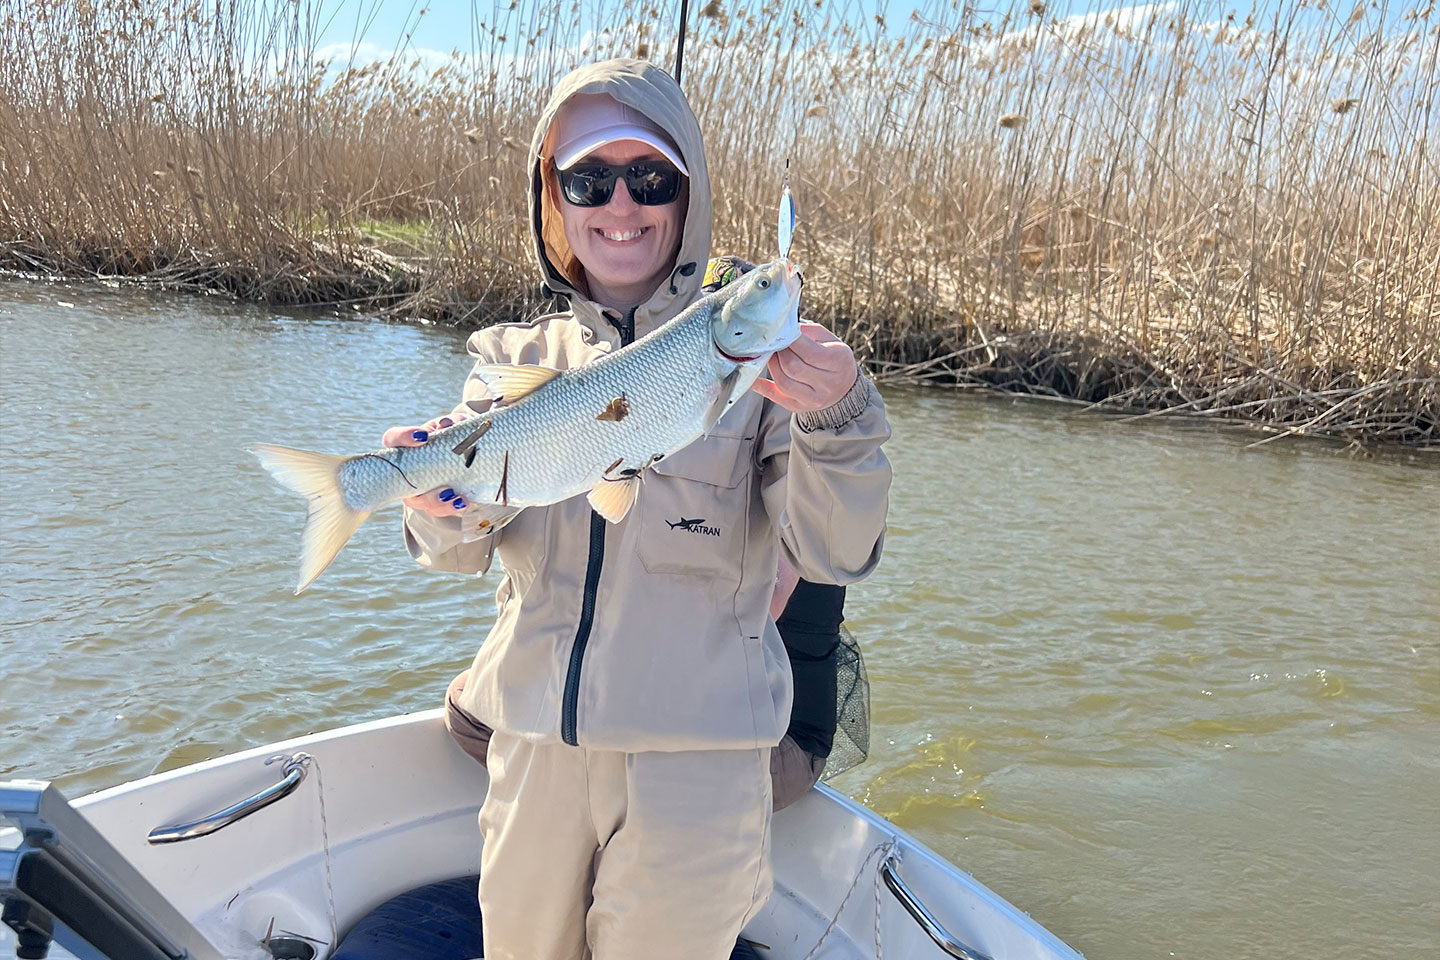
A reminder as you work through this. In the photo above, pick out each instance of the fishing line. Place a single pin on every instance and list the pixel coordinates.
(376, 456)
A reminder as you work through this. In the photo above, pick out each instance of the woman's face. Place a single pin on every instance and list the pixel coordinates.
(626, 249)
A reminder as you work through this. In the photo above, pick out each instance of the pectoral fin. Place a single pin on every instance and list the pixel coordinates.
(511, 381)
(721, 403)
(612, 499)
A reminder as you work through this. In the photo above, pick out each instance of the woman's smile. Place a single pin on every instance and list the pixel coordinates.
(622, 236)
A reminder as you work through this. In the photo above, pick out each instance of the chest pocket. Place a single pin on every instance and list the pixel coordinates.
(694, 508)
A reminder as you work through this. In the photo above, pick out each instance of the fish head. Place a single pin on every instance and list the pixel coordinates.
(762, 317)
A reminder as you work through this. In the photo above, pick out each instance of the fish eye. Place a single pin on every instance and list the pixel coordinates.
(762, 283)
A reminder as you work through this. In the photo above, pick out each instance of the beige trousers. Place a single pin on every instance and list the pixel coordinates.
(608, 855)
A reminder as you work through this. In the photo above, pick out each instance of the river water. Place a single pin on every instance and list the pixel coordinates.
(1173, 696)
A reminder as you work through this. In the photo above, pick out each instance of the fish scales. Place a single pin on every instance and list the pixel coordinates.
(555, 455)
(560, 434)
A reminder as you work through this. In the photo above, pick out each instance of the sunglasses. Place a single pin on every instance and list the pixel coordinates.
(652, 183)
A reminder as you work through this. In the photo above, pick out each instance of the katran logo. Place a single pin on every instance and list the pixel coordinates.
(694, 526)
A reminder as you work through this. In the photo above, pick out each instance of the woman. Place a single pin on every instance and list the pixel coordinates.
(633, 678)
(808, 616)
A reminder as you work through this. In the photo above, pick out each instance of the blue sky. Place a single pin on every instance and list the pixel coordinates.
(440, 26)
(446, 24)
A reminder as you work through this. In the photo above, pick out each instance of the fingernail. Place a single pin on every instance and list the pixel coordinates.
(459, 503)
(446, 422)
(421, 435)
(447, 494)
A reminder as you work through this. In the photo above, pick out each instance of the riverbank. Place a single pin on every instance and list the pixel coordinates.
(1103, 369)
(1145, 210)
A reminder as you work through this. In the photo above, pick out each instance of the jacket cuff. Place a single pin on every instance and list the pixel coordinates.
(427, 535)
(840, 412)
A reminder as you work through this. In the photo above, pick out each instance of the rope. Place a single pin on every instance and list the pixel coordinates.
(325, 847)
(883, 848)
(304, 761)
(879, 951)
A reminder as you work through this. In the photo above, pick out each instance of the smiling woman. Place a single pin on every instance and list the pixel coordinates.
(624, 240)
(634, 680)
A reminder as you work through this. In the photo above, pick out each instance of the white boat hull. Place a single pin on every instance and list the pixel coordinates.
(391, 805)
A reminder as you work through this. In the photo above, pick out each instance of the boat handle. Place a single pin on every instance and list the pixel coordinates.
(922, 916)
(294, 772)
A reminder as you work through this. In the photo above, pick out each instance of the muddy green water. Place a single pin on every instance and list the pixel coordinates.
(1174, 697)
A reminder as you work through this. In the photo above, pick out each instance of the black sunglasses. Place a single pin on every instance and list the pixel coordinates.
(652, 183)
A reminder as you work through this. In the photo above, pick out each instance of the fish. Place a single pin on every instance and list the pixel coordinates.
(549, 435)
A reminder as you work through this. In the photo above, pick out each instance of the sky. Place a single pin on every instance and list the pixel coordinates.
(376, 29)
(446, 24)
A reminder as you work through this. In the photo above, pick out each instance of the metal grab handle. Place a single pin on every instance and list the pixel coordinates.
(922, 916)
(294, 772)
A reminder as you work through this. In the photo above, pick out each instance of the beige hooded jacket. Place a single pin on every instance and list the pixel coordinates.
(654, 633)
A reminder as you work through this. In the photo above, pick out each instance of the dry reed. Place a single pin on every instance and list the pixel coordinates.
(1169, 208)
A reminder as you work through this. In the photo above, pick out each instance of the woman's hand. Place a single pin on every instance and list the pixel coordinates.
(442, 501)
(810, 374)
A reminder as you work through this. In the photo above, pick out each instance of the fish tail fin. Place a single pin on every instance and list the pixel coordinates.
(316, 477)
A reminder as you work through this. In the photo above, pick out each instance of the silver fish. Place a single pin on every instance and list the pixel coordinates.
(552, 435)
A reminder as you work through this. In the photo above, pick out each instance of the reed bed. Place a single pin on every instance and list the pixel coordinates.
(1169, 208)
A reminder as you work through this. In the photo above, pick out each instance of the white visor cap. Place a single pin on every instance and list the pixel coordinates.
(588, 121)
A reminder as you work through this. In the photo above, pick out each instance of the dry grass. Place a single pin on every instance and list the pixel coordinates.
(1165, 208)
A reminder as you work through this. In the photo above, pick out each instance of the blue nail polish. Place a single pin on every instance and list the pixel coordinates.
(446, 422)
(421, 435)
(458, 503)
(446, 494)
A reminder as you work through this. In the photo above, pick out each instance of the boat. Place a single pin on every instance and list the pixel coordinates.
(285, 851)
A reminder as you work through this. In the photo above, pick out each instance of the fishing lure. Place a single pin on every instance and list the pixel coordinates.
(787, 214)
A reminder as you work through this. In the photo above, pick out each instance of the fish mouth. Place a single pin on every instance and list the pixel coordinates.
(734, 359)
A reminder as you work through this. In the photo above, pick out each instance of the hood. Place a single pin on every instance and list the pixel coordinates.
(652, 91)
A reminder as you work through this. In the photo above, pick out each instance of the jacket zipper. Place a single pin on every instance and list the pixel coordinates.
(587, 602)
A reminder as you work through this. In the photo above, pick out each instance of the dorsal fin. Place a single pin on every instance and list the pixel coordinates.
(511, 381)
